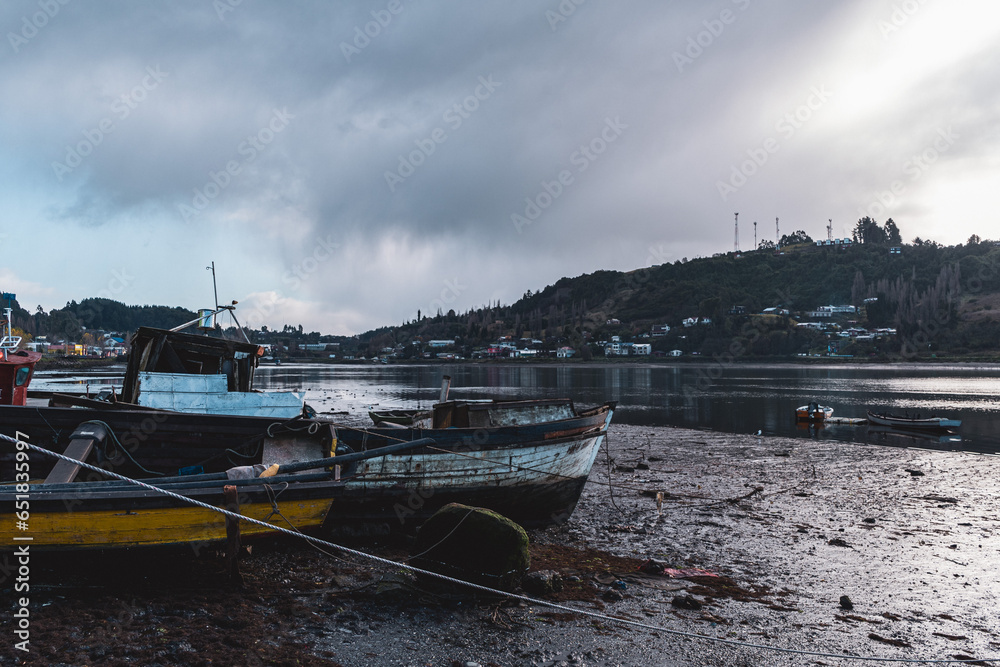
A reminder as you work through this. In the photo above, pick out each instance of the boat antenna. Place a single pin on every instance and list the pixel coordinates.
(232, 314)
(214, 287)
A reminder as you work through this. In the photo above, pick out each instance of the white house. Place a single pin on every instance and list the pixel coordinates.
(642, 349)
(675, 353)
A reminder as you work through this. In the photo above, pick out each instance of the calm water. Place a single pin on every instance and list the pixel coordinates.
(739, 399)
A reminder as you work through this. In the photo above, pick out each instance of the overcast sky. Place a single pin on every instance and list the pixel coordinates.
(346, 164)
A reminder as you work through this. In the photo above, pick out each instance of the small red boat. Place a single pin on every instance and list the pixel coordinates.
(16, 366)
(814, 412)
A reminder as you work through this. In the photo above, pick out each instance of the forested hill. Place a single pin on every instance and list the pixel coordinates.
(71, 321)
(953, 289)
(940, 300)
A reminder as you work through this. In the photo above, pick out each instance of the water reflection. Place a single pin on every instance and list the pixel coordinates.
(740, 399)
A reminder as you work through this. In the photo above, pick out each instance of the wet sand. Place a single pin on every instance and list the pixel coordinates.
(911, 536)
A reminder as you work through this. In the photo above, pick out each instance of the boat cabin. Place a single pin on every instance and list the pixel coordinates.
(186, 372)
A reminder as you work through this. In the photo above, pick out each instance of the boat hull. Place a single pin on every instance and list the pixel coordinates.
(813, 413)
(74, 516)
(927, 424)
(532, 473)
(158, 441)
(536, 484)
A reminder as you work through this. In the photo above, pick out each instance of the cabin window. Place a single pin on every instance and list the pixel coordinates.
(22, 376)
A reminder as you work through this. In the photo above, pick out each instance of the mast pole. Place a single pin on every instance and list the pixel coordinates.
(214, 288)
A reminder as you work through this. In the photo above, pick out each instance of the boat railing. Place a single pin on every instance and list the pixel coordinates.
(10, 342)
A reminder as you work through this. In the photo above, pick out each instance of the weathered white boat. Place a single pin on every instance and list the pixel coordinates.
(915, 423)
(532, 471)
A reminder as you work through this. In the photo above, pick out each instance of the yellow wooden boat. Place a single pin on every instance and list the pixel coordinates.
(114, 513)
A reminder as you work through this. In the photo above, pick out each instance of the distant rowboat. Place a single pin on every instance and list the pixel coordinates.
(814, 412)
(925, 423)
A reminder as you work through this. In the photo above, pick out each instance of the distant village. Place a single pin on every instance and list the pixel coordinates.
(98, 344)
(838, 324)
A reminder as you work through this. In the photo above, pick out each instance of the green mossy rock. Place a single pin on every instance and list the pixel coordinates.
(472, 544)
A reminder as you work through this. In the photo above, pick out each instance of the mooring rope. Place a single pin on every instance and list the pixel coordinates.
(513, 596)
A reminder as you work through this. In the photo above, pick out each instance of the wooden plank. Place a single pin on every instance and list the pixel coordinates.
(233, 534)
(64, 471)
(58, 400)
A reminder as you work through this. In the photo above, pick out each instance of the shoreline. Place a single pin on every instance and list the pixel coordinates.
(707, 362)
(793, 523)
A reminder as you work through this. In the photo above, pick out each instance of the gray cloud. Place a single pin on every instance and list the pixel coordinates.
(690, 90)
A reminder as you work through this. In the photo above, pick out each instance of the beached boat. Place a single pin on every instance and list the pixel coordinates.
(113, 514)
(142, 442)
(171, 370)
(194, 373)
(531, 470)
(533, 473)
(915, 422)
(814, 412)
(16, 366)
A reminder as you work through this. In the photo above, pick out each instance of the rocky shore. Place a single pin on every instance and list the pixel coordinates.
(821, 546)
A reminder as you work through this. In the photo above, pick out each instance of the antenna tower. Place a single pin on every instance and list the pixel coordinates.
(754, 234)
(777, 233)
(736, 238)
(829, 230)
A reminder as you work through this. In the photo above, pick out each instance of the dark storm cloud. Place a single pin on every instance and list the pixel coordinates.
(565, 135)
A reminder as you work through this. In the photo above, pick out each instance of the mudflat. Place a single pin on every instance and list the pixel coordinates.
(819, 546)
